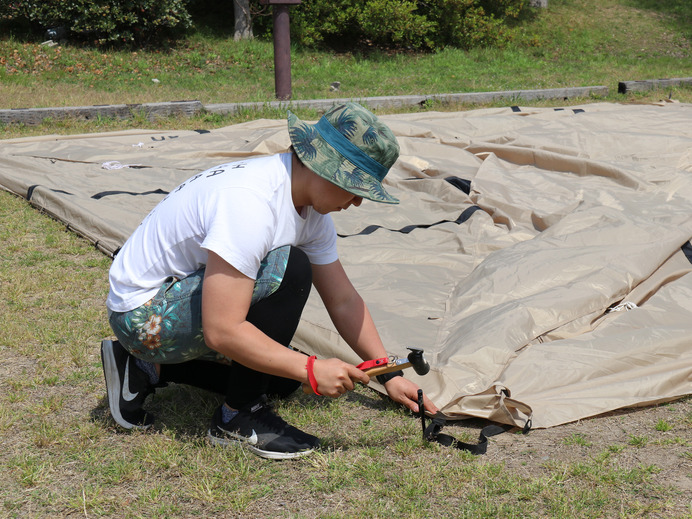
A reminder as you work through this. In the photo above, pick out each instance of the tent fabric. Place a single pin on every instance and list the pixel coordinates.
(541, 257)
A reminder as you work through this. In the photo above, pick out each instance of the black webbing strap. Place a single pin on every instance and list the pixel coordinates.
(465, 215)
(431, 432)
(575, 110)
(99, 196)
(687, 250)
(459, 183)
(30, 191)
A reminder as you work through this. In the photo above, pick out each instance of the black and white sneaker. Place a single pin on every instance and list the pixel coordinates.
(263, 432)
(127, 386)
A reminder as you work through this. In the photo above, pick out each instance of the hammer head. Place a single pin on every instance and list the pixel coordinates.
(418, 362)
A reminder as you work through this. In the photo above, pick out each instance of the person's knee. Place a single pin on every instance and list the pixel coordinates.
(298, 270)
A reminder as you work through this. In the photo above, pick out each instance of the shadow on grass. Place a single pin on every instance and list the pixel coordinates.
(183, 409)
(186, 412)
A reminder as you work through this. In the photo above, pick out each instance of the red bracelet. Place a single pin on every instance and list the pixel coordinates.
(311, 374)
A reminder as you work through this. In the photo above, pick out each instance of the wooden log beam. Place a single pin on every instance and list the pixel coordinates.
(470, 98)
(625, 87)
(150, 110)
(189, 108)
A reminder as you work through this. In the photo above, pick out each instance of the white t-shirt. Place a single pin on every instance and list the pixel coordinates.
(240, 211)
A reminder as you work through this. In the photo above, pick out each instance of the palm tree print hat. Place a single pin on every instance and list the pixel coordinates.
(348, 146)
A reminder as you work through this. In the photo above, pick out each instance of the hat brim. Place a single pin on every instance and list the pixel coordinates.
(323, 159)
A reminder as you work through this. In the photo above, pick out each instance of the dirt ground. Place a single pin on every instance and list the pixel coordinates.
(629, 434)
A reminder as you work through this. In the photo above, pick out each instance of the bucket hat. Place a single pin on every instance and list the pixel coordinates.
(350, 147)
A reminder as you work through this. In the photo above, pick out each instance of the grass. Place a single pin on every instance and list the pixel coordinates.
(573, 43)
(63, 456)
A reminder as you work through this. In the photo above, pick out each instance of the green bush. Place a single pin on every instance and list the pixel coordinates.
(339, 24)
(349, 23)
(105, 22)
(416, 24)
(472, 23)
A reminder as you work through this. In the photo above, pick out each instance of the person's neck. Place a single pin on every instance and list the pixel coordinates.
(298, 185)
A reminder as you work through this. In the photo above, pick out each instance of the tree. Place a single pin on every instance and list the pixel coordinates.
(243, 20)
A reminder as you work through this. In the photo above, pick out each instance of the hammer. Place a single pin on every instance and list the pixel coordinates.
(415, 360)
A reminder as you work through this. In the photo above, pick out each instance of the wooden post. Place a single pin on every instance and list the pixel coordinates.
(282, 46)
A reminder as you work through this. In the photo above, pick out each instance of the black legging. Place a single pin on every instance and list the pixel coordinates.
(277, 316)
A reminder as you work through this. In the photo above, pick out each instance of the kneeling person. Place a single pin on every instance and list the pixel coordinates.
(209, 289)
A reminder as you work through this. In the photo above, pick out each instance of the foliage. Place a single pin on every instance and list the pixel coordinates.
(103, 22)
(348, 22)
(465, 24)
(341, 24)
(416, 24)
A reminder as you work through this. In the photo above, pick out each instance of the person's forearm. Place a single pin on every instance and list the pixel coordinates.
(356, 326)
(250, 347)
(247, 345)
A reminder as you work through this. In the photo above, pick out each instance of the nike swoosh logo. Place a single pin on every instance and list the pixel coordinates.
(252, 440)
(127, 396)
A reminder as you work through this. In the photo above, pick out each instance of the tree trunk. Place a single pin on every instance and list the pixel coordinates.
(243, 20)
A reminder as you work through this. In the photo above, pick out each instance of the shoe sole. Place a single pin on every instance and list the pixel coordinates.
(113, 387)
(271, 455)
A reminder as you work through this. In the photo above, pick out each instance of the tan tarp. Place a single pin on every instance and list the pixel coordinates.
(557, 288)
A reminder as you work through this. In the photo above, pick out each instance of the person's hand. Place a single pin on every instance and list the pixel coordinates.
(405, 392)
(334, 377)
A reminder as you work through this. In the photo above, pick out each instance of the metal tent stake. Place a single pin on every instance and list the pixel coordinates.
(282, 46)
